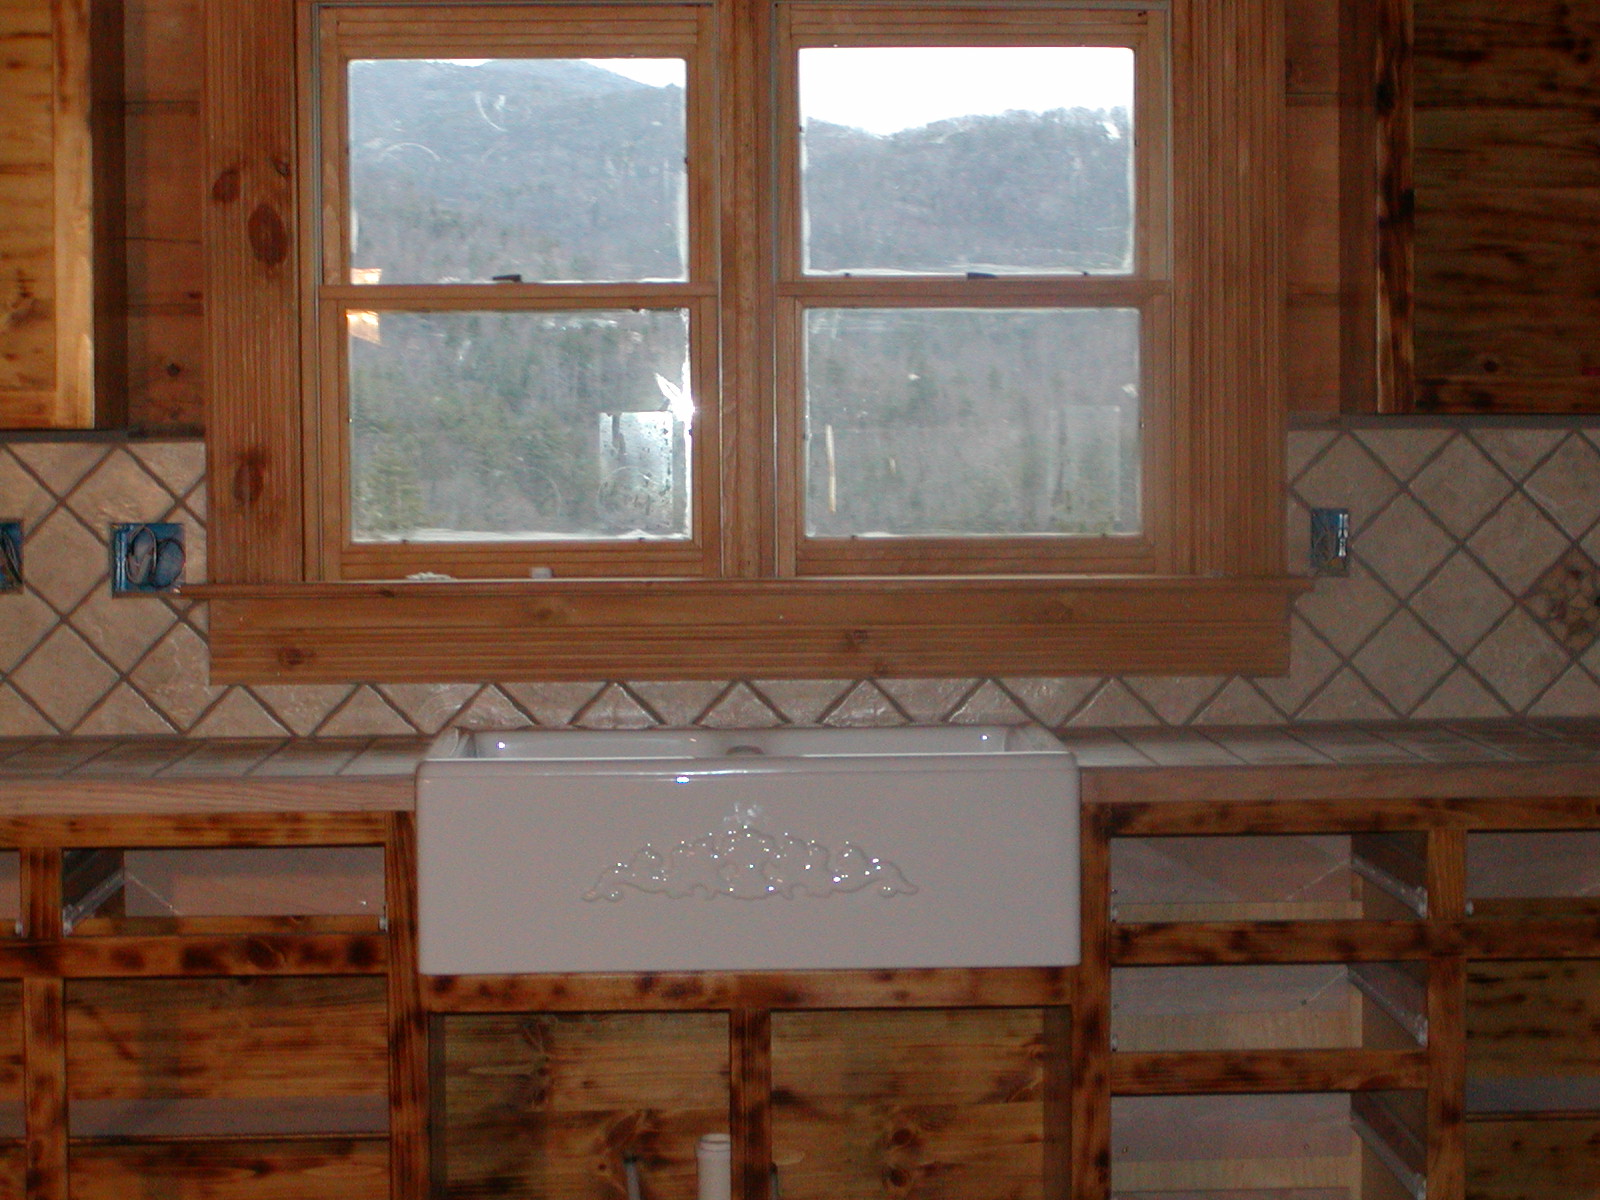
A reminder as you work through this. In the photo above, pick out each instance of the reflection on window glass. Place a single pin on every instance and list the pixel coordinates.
(967, 422)
(519, 424)
(539, 169)
(1013, 159)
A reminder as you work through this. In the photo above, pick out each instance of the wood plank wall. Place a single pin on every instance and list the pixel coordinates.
(163, 68)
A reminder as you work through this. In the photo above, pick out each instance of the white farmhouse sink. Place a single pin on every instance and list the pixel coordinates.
(783, 849)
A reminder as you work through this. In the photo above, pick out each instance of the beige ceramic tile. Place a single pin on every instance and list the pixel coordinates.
(865, 705)
(1403, 451)
(1350, 746)
(1566, 600)
(614, 708)
(303, 706)
(1461, 487)
(1403, 546)
(1311, 664)
(1297, 538)
(1518, 451)
(490, 709)
(1239, 703)
(1436, 743)
(1518, 544)
(123, 628)
(322, 757)
(1051, 700)
(553, 703)
(119, 489)
(431, 706)
(22, 497)
(1346, 611)
(24, 621)
(1301, 447)
(1567, 484)
(1403, 662)
(990, 704)
(1461, 695)
(1347, 697)
(178, 465)
(364, 714)
(928, 701)
(1179, 748)
(388, 756)
(224, 756)
(1266, 747)
(1101, 748)
(238, 715)
(1575, 694)
(1461, 603)
(63, 561)
(173, 677)
(138, 758)
(124, 712)
(1518, 660)
(803, 701)
(59, 465)
(1113, 705)
(1175, 699)
(1347, 477)
(679, 703)
(742, 707)
(196, 558)
(64, 678)
(18, 718)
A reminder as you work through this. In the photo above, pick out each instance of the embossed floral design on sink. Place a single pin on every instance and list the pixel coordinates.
(780, 849)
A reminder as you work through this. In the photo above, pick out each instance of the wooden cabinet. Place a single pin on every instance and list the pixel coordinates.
(1474, 282)
(215, 1007)
(63, 336)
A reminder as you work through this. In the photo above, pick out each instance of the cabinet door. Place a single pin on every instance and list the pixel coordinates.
(63, 335)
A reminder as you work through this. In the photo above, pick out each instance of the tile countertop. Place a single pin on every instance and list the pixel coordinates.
(82, 775)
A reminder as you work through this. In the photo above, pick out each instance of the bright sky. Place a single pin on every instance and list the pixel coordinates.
(886, 89)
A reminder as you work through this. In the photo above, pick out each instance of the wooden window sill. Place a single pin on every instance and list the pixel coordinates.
(765, 629)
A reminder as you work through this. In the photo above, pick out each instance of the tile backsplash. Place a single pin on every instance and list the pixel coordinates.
(1472, 593)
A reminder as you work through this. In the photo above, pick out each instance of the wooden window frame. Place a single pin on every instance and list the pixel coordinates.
(1205, 593)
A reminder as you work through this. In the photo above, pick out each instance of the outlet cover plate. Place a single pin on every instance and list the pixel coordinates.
(146, 558)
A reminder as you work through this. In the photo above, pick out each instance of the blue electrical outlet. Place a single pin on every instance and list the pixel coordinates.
(1330, 541)
(10, 556)
(146, 557)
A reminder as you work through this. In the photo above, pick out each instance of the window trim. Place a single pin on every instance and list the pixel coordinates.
(1222, 606)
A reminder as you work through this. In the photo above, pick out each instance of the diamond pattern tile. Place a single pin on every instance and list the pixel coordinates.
(1461, 487)
(1518, 543)
(1567, 485)
(1403, 545)
(1469, 640)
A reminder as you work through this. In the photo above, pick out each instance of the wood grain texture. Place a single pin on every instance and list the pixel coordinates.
(1447, 1078)
(1532, 1159)
(45, 1088)
(938, 1104)
(1195, 1072)
(314, 1169)
(408, 1023)
(252, 329)
(542, 1105)
(750, 1102)
(262, 1038)
(1090, 1176)
(789, 629)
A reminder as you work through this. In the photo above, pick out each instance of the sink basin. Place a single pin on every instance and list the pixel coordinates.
(771, 849)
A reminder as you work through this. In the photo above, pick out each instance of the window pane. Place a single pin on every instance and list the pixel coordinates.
(519, 425)
(951, 422)
(956, 159)
(548, 169)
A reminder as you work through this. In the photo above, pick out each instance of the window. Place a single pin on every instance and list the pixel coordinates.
(751, 338)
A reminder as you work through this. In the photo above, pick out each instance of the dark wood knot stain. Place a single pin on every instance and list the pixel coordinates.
(290, 657)
(249, 477)
(269, 237)
(227, 186)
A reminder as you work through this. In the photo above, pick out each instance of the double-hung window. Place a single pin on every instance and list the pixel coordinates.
(883, 330)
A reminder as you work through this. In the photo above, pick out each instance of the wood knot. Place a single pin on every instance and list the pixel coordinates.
(249, 478)
(227, 186)
(291, 657)
(269, 236)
